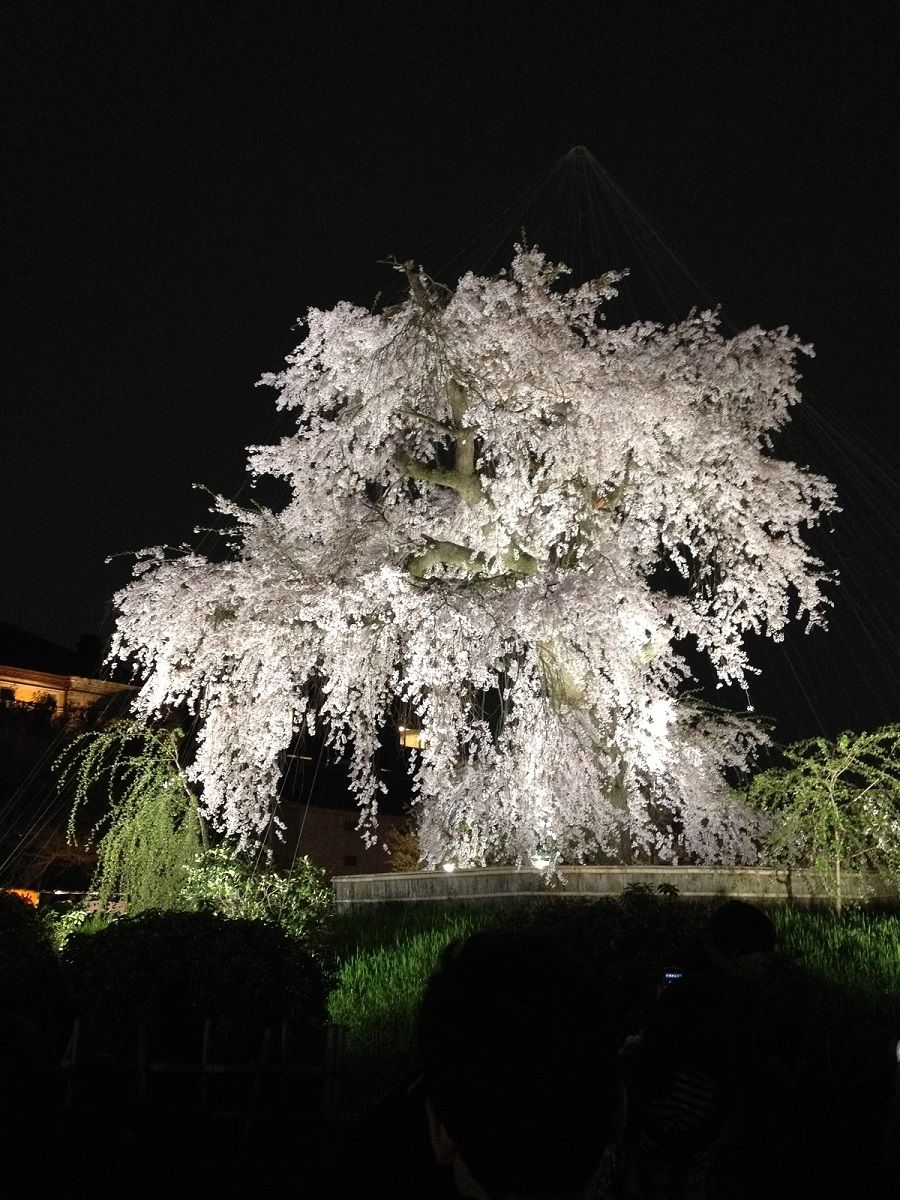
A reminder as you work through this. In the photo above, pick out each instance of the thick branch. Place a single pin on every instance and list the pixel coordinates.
(446, 431)
(468, 486)
(476, 563)
(450, 553)
(561, 684)
(610, 499)
(518, 561)
(417, 288)
(465, 437)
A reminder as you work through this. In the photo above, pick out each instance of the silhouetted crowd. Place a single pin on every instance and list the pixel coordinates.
(527, 1091)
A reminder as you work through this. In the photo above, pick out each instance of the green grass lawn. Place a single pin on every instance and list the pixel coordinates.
(837, 978)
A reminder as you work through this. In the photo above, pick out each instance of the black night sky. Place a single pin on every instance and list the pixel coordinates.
(185, 179)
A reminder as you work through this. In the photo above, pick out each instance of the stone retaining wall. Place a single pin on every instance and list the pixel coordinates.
(507, 885)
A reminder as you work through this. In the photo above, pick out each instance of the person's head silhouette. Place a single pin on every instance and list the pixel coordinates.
(520, 1069)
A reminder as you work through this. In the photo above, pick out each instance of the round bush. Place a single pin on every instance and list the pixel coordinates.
(170, 971)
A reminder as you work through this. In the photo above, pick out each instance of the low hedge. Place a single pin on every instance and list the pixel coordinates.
(170, 971)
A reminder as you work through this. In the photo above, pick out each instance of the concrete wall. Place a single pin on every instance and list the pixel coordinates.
(506, 885)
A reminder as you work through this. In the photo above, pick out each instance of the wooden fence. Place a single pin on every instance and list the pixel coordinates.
(237, 1089)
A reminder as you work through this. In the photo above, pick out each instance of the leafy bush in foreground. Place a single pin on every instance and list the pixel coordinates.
(171, 971)
(151, 827)
(300, 903)
(31, 983)
(836, 806)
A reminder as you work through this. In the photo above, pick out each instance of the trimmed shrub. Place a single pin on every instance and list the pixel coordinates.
(170, 971)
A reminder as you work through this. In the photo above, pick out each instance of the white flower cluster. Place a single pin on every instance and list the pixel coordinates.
(507, 517)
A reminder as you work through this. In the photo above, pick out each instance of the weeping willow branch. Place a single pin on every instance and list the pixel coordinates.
(152, 830)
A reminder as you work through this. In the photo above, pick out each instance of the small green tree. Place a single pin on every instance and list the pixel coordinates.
(836, 806)
(402, 844)
(151, 829)
(300, 901)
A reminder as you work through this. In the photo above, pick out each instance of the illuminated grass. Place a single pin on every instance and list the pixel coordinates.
(858, 953)
(380, 981)
(842, 970)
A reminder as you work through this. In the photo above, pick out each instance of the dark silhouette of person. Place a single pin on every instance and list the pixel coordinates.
(520, 1072)
(703, 1063)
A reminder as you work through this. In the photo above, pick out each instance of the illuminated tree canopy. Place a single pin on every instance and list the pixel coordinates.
(506, 517)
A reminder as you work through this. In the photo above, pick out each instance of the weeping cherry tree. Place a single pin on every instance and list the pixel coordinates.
(509, 520)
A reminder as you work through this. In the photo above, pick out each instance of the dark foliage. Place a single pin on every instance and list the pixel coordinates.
(170, 971)
(31, 981)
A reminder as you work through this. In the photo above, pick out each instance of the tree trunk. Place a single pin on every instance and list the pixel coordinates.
(837, 882)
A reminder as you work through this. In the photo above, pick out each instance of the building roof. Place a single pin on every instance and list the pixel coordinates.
(18, 648)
